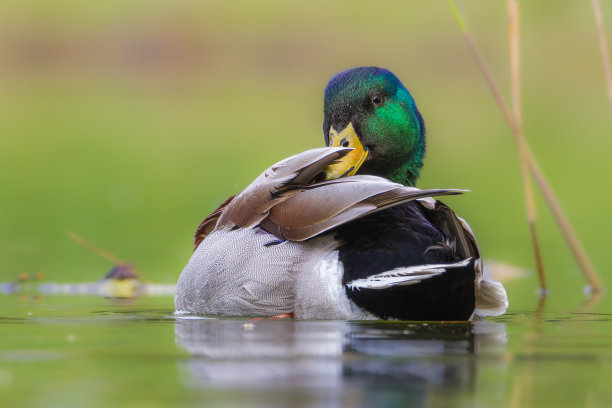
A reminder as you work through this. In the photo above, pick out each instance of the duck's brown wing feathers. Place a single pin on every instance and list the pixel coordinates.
(278, 182)
(327, 205)
(286, 201)
(209, 223)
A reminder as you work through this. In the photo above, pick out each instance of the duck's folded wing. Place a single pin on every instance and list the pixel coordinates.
(323, 206)
(279, 182)
(286, 201)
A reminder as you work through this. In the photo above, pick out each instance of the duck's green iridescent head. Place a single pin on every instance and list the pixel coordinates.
(369, 109)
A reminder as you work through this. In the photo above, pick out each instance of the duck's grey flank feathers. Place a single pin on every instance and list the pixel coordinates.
(233, 273)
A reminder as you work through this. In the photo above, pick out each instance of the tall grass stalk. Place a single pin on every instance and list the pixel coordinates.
(515, 69)
(550, 197)
(603, 45)
(95, 249)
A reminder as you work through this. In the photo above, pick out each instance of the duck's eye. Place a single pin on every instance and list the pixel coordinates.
(377, 99)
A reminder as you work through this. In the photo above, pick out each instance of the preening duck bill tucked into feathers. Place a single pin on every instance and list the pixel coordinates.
(340, 232)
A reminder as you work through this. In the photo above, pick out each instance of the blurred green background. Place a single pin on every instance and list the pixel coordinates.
(128, 122)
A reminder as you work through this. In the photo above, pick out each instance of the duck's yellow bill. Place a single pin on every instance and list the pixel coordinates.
(349, 164)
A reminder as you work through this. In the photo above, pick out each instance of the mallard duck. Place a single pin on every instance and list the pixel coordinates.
(340, 232)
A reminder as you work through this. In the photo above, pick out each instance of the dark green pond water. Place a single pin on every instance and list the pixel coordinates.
(70, 350)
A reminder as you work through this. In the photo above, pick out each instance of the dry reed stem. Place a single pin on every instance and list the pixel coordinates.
(591, 302)
(93, 248)
(586, 266)
(515, 58)
(515, 64)
(604, 48)
(515, 396)
(551, 199)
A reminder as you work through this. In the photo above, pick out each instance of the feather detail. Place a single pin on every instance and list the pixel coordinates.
(491, 298)
(279, 182)
(209, 223)
(404, 276)
(323, 206)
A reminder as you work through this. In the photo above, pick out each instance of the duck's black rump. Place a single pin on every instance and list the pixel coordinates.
(407, 235)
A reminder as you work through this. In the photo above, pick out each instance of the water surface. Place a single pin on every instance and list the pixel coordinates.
(60, 350)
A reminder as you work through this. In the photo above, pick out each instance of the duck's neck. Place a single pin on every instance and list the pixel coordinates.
(408, 172)
(410, 151)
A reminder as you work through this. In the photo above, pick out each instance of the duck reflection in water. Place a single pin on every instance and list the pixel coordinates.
(339, 361)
